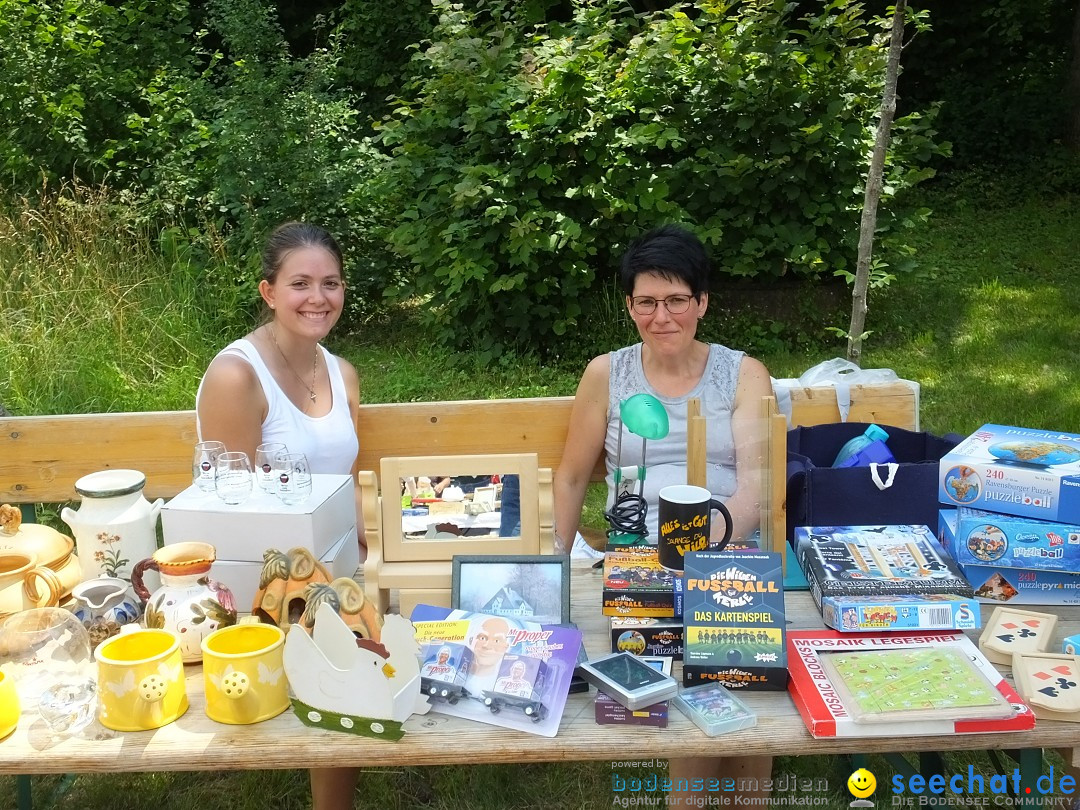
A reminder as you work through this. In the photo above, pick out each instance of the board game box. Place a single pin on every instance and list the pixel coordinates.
(905, 689)
(518, 672)
(989, 538)
(1017, 471)
(900, 614)
(635, 584)
(883, 561)
(734, 620)
(1014, 586)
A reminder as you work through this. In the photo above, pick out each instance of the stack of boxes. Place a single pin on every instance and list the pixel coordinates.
(325, 524)
(1012, 516)
(644, 602)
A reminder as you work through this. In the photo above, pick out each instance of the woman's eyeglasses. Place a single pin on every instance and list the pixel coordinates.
(674, 304)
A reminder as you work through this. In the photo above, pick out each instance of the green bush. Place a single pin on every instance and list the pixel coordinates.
(523, 159)
(71, 73)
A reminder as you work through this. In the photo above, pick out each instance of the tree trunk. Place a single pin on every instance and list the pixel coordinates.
(1072, 89)
(873, 187)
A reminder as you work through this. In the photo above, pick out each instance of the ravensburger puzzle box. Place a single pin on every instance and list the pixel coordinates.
(1017, 471)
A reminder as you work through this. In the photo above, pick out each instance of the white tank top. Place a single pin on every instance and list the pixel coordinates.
(329, 441)
(665, 459)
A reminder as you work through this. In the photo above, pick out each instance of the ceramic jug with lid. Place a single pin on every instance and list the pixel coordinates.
(115, 526)
(188, 602)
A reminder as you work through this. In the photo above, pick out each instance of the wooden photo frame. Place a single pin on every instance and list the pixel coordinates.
(531, 587)
(400, 545)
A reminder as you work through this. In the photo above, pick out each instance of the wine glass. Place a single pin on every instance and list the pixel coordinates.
(294, 481)
(204, 466)
(233, 477)
(267, 468)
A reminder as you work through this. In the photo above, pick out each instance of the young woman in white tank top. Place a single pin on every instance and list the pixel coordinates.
(279, 384)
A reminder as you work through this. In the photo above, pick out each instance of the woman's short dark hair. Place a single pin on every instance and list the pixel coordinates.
(670, 251)
(290, 236)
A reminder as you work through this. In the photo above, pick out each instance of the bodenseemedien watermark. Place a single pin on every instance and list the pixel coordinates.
(641, 783)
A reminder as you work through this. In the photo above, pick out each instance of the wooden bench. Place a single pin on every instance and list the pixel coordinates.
(41, 457)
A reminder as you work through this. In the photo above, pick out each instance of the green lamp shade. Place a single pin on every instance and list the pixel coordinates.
(644, 415)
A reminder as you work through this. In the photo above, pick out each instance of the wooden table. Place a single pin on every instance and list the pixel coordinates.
(194, 742)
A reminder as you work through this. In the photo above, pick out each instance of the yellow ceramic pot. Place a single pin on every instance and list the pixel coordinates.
(244, 674)
(24, 584)
(9, 705)
(140, 680)
(50, 548)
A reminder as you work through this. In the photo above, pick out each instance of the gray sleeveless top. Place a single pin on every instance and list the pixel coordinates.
(665, 459)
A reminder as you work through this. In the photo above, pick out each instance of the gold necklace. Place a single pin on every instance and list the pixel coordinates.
(314, 367)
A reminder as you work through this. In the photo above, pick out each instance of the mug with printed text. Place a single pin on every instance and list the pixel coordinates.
(684, 523)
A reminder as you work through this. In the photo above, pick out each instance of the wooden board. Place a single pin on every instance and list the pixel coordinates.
(893, 403)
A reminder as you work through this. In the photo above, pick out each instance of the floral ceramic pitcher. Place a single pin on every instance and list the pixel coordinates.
(188, 602)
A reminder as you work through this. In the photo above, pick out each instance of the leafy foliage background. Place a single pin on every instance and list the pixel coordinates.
(489, 160)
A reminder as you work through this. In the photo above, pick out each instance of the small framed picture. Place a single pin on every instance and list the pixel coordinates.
(533, 587)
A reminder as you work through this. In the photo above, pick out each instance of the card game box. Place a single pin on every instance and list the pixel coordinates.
(609, 712)
(935, 611)
(883, 561)
(734, 620)
(714, 709)
(990, 538)
(828, 710)
(1017, 471)
(635, 584)
(1047, 681)
(1010, 631)
(1014, 586)
(647, 636)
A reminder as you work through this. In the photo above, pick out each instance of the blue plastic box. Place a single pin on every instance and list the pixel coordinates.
(1015, 471)
(988, 538)
(1014, 586)
(1071, 645)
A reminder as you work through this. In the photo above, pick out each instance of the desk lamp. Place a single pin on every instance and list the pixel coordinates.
(644, 416)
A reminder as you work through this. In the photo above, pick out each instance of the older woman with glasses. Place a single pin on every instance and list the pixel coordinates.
(665, 276)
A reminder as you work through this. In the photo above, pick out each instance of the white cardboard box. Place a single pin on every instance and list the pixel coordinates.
(243, 532)
(242, 576)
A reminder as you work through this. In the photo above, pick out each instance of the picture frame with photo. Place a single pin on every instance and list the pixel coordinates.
(533, 587)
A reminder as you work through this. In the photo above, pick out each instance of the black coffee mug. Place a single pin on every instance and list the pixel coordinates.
(685, 519)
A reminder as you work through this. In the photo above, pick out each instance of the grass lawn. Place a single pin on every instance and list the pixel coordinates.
(988, 326)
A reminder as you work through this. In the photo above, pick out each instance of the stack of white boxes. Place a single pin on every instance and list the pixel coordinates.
(325, 525)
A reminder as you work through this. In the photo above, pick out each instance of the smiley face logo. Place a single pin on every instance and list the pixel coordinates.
(861, 783)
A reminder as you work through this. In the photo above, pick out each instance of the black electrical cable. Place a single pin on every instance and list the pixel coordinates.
(627, 515)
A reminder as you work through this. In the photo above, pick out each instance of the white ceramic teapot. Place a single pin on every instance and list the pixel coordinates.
(115, 526)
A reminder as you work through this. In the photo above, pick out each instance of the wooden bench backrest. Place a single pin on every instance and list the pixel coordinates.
(41, 457)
